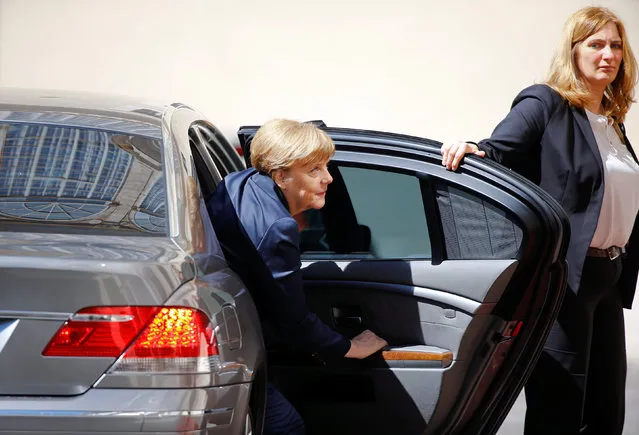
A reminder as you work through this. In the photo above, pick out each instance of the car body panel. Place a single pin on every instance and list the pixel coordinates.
(65, 104)
(214, 410)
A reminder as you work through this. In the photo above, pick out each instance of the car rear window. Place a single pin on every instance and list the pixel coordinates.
(68, 179)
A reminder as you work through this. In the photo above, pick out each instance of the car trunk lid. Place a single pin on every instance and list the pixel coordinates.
(46, 278)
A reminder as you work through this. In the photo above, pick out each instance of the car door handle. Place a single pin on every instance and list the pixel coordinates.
(351, 320)
(347, 316)
(419, 356)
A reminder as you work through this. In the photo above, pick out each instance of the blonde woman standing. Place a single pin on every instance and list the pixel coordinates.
(567, 136)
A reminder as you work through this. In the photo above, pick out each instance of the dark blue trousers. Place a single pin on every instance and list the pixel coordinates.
(281, 418)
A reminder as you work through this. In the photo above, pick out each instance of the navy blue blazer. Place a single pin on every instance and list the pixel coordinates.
(260, 240)
(551, 143)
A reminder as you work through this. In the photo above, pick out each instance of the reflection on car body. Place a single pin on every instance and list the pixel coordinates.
(66, 174)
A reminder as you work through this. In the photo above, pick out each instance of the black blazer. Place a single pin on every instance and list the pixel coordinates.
(551, 143)
(260, 240)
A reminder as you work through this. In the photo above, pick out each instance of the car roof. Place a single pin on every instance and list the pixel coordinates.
(82, 109)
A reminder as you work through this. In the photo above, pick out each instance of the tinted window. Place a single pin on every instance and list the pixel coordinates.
(369, 213)
(474, 228)
(372, 213)
(60, 178)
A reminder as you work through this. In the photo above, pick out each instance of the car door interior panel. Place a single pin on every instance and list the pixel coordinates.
(418, 309)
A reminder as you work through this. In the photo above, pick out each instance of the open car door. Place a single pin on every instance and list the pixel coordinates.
(461, 272)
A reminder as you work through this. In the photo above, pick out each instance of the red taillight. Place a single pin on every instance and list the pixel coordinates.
(175, 333)
(99, 331)
(239, 150)
(161, 332)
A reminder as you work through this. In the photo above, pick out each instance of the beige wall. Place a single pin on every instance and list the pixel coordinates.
(445, 70)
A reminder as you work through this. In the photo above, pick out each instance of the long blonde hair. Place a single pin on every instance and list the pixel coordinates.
(564, 76)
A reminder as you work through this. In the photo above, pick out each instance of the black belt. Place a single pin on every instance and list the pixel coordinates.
(612, 252)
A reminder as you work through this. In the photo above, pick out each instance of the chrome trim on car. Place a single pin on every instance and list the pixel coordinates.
(178, 166)
(171, 170)
(102, 317)
(34, 315)
(44, 315)
(222, 416)
(218, 411)
(64, 413)
(468, 305)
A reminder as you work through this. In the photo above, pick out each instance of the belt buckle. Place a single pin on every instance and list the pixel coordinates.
(613, 252)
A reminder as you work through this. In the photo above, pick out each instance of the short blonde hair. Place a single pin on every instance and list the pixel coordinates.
(565, 77)
(280, 143)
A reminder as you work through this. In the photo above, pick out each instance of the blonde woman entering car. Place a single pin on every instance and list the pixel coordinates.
(253, 215)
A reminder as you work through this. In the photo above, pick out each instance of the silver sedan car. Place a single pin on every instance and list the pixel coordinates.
(119, 313)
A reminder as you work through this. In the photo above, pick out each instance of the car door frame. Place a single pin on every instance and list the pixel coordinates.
(196, 148)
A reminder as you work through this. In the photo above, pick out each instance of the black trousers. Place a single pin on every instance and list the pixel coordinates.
(578, 385)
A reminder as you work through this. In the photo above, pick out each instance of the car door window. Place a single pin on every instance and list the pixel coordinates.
(475, 229)
(381, 214)
(370, 213)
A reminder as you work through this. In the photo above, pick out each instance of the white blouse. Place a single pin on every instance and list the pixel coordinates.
(621, 186)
